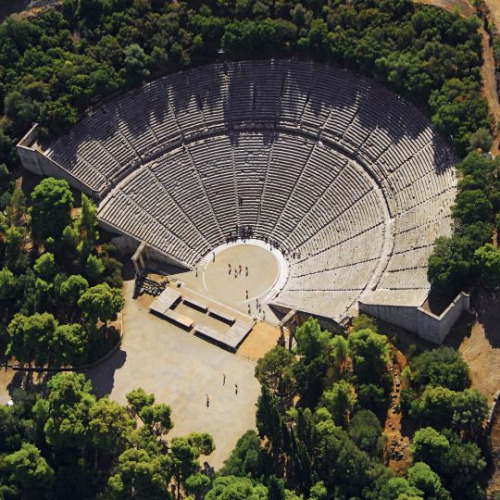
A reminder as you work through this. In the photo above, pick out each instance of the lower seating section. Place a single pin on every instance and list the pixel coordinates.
(330, 304)
(349, 180)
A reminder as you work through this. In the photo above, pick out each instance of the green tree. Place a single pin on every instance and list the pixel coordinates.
(51, 200)
(141, 474)
(45, 266)
(30, 337)
(269, 420)
(70, 400)
(450, 265)
(136, 62)
(339, 401)
(72, 288)
(109, 426)
(198, 484)
(68, 345)
(487, 259)
(472, 206)
(185, 452)
(442, 366)
(312, 342)
(435, 407)
(363, 322)
(21, 110)
(375, 398)
(421, 476)
(431, 447)
(138, 399)
(365, 430)
(86, 225)
(338, 350)
(8, 284)
(481, 139)
(157, 417)
(246, 459)
(101, 302)
(461, 468)
(30, 472)
(236, 488)
(93, 269)
(370, 354)
(398, 488)
(319, 491)
(275, 371)
(470, 412)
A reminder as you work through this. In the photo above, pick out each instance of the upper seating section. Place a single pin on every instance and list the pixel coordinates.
(360, 116)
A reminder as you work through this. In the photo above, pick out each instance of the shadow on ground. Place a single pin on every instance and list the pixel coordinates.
(103, 375)
(16, 382)
(461, 329)
(487, 306)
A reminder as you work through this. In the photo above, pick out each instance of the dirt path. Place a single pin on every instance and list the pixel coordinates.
(397, 450)
(494, 6)
(488, 74)
(465, 8)
(494, 483)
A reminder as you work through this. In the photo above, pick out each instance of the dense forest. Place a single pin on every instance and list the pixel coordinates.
(321, 414)
(59, 287)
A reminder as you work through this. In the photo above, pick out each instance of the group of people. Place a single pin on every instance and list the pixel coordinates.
(223, 383)
(237, 270)
(243, 232)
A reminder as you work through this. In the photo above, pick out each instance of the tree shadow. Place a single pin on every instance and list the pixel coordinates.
(17, 382)
(461, 329)
(30, 381)
(128, 270)
(102, 376)
(409, 426)
(487, 306)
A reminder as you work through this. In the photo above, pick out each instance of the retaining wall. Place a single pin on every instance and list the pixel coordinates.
(34, 160)
(425, 324)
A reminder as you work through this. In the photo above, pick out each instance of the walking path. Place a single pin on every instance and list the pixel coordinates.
(181, 370)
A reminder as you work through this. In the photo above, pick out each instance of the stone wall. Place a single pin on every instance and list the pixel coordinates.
(34, 160)
(403, 316)
(425, 324)
(435, 328)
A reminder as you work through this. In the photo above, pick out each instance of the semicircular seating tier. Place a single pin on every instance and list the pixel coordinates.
(349, 179)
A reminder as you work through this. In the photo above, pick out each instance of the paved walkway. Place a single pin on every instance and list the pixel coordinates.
(181, 369)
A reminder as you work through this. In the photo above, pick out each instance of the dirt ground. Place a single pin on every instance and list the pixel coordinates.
(464, 7)
(494, 6)
(397, 451)
(181, 370)
(261, 339)
(479, 342)
(488, 73)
